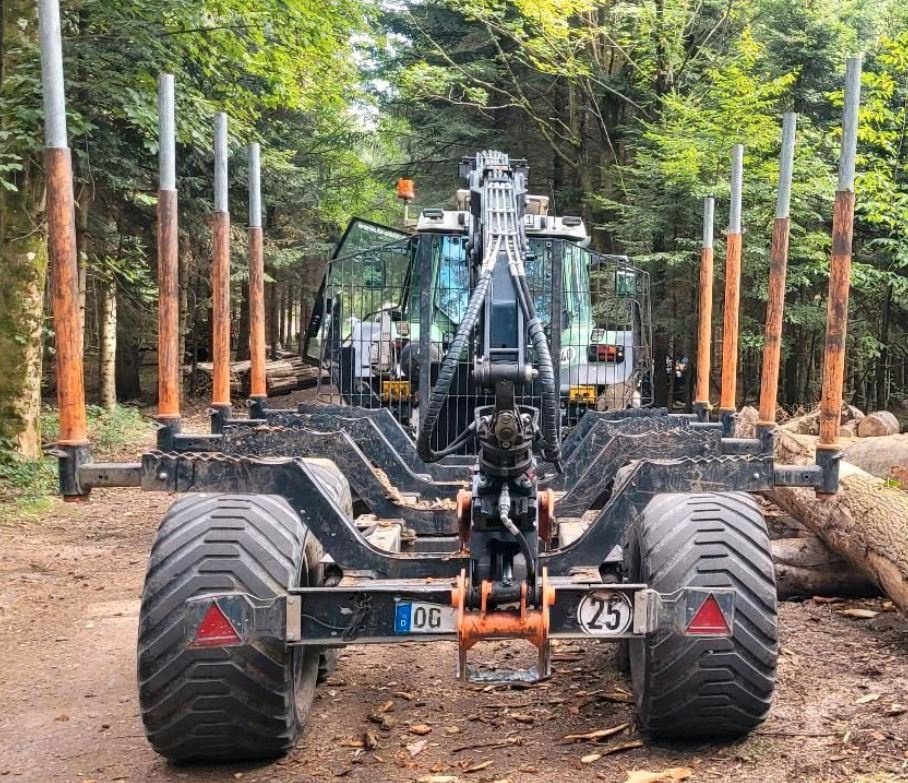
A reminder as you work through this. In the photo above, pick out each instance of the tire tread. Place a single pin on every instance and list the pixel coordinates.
(218, 704)
(688, 687)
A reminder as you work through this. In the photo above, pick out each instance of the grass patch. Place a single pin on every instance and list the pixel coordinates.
(26, 486)
(110, 432)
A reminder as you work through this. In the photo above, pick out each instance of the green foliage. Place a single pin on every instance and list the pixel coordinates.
(628, 112)
(111, 432)
(26, 485)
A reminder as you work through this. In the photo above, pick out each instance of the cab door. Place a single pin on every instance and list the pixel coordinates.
(360, 235)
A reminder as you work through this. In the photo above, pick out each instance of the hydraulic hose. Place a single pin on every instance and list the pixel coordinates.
(449, 366)
(504, 512)
(551, 442)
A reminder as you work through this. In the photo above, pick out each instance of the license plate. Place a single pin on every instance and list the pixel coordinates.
(419, 617)
(605, 613)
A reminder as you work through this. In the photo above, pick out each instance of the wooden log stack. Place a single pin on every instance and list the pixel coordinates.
(282, 376)
(865, 524)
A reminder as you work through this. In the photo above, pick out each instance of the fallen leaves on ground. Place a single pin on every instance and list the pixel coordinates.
(386, 722)
(598, 734)
(618, 695)
(479, 766)
(665, 776)
(859, 614)
(868, 698)
(502, 743)
(593, 757)
(420, 729)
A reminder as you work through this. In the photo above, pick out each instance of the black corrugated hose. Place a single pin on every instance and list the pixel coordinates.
(550, 406)
(448, 368)
(551, 441)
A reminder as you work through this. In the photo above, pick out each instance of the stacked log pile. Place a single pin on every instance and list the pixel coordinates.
(282, 376)
(865, 524)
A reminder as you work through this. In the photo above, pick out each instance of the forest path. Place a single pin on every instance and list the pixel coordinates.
(69, 592)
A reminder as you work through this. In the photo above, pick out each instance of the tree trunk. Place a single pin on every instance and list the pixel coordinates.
(805, 567)
(885, 458)
(878, 424)
(288, 306)
(661, 377)
(866, 522)
(128, 363)
(107, 349)
(303, 324)
(242, 334)
(23, 268)
(282, 313)
(882, 365)
(184, 314)
(272, 310)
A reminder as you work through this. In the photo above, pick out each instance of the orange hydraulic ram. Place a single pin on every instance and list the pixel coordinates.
(168, 260)
(705, 322)
(840, 267)
(257, 383)
(778, 263)
(732, 287)
(220, 275)
(61, 233)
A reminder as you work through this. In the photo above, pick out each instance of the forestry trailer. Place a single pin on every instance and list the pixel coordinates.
(481, 466)
(305, 531)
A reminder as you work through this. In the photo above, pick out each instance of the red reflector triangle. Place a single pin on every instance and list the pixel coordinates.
(216, 630)
(708, 618)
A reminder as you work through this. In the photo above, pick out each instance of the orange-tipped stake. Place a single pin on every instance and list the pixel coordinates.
(778, 263)
(61, 233)
(840, 271)
(61, 240)
(168, 261)
(704, 324)
(257, 381)
(220, 275)
(732, 287)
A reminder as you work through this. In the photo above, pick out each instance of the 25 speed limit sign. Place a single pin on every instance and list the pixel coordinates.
(605, 613)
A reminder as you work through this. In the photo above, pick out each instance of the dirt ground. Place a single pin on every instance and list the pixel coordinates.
(69, 596)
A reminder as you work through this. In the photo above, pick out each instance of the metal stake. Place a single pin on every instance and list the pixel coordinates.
(220, 278)
(778, 264)
(168, 261)
(732, 289)
(840, 268)
(704, 324)
(61, 226)
(258, 386)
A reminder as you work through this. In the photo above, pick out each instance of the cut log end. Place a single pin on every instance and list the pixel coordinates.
(866, 523)
(878, 424)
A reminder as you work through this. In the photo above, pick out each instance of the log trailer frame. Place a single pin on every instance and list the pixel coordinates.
(266, 567)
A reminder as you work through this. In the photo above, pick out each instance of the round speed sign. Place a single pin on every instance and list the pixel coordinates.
(605, 613)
